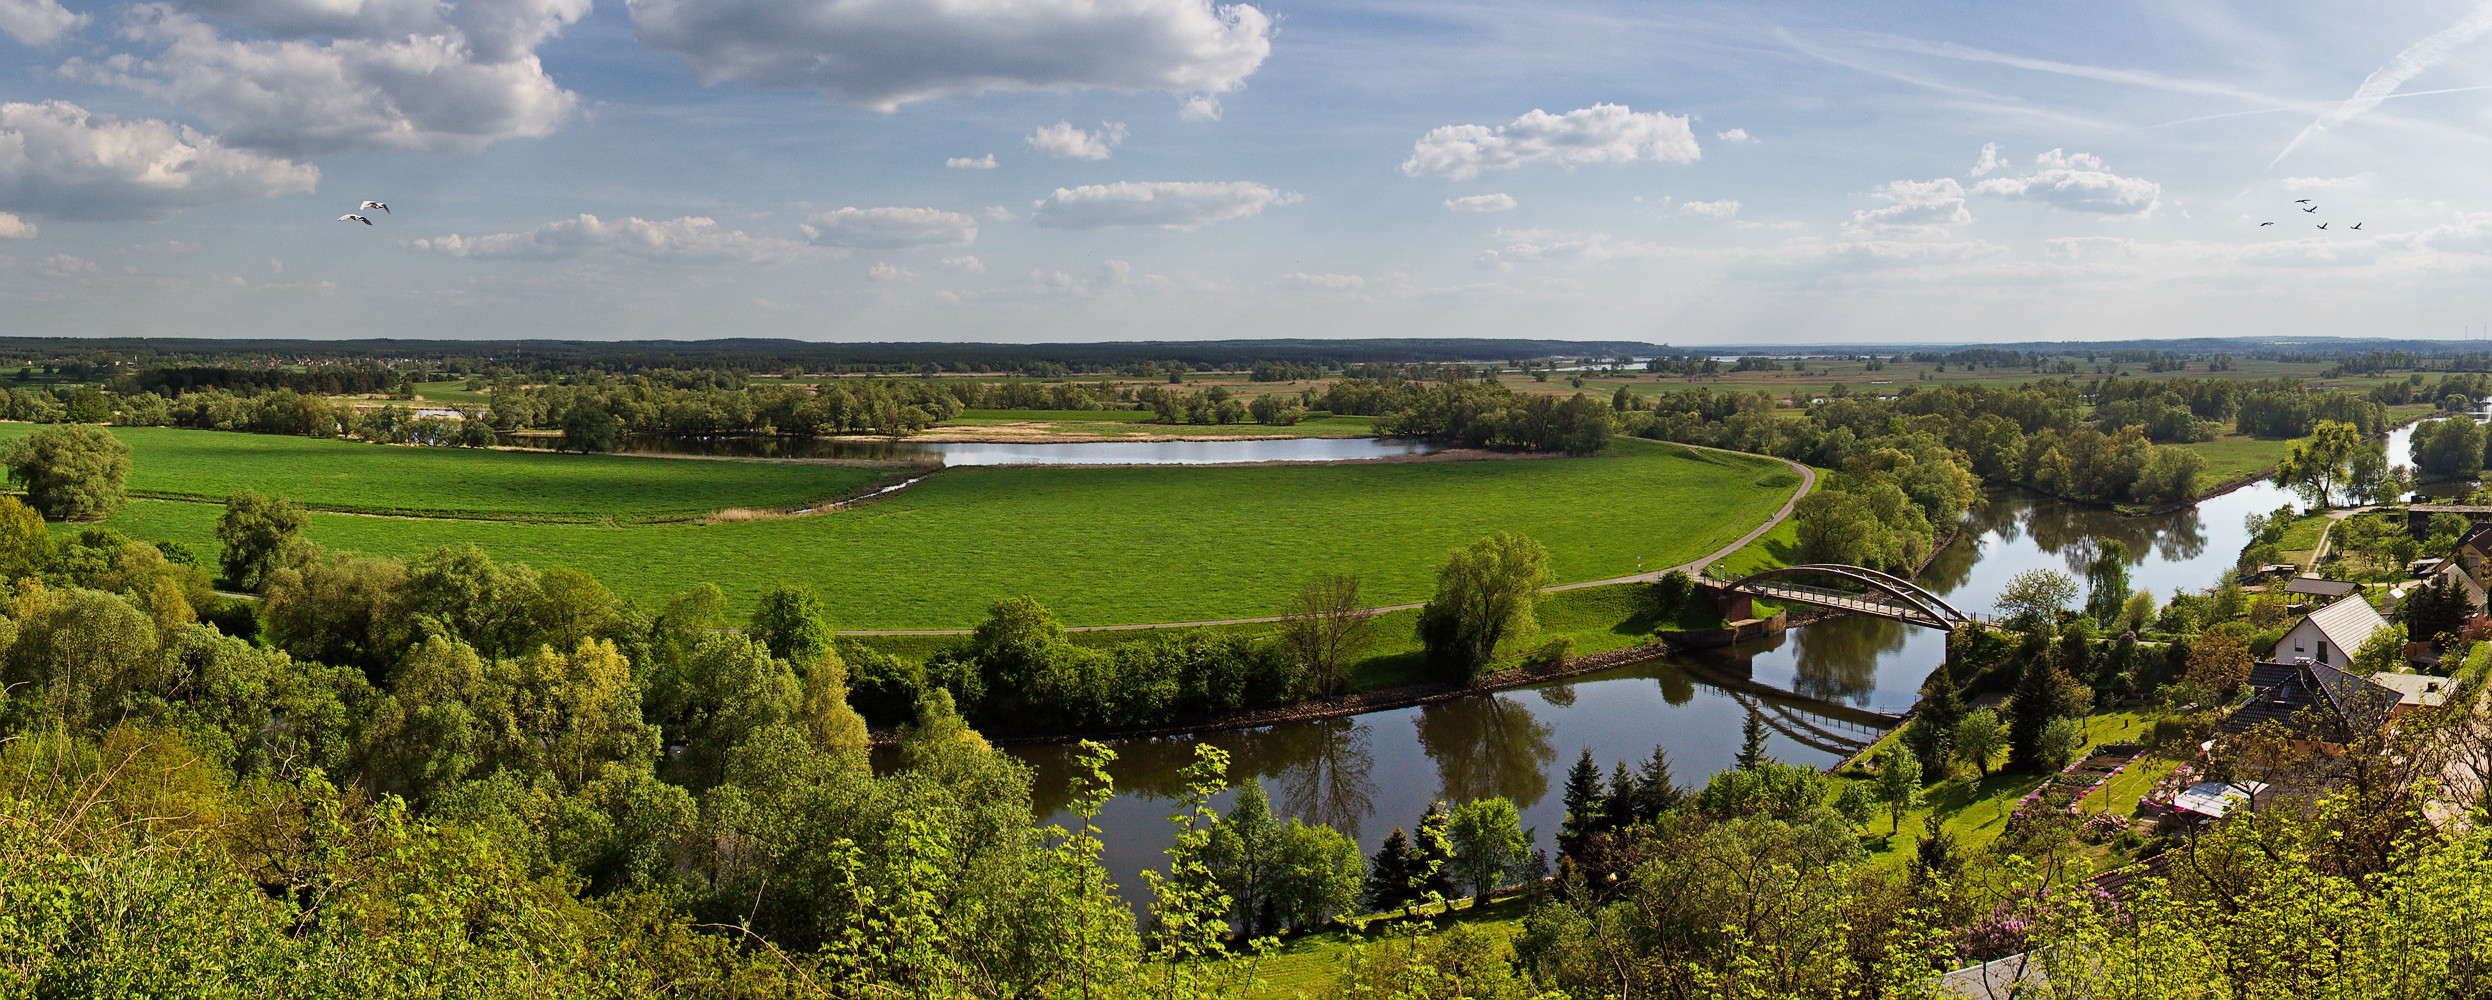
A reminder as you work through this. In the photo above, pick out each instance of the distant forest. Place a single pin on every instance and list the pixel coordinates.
(94, 359)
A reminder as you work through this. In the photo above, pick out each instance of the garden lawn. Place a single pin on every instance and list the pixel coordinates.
(352, 477)
(1975, 809)
(1125, 545)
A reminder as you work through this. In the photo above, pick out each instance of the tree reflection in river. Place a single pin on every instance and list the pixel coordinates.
(1330, 781)
(1838, 660)
(1487, 746)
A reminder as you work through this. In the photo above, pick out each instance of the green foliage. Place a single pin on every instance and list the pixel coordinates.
(2061, 741)
(790, 624)
(2449, 449)
(1899, 785)
(2382, 653)
(1485, 596)
(2320, 468)
(1978, 739)
(77, 472)
(1491, 847)
(256, 535)
(2036, 597)
(26, 546)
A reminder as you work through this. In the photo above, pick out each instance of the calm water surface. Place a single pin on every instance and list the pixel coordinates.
(1369, 774)
(1030, 453)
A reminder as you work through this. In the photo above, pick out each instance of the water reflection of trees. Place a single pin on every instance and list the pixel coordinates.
(1487, 746)
(1331, 781)
(1838, 660)
(1325, 769)
(2075, 532)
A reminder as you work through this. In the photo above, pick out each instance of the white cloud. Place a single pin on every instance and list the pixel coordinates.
(1602, 133)
(1710, 209)
(2077, 183)
(1914, 208)
(1183, 205)
(986, 162)
(1989, 161)
(964, 264)
(998, 213)
(1735, 135)
(57, 160)
(1327, 282)
(2360, 180)
(1594, 248)
(1064, 142)
(14, 228)
(1500, 202)
(884, 273)
(883, 53)
(691, 238)
(384, 75)
(37, 22)
(890, 228)
(1200, 108)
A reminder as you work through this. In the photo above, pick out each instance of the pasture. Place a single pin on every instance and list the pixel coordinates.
(1113, 545)
(355, 478)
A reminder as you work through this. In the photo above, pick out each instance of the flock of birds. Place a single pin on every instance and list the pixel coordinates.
(2314, 208)
(370, 205)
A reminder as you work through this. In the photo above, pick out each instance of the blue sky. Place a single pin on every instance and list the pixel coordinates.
(1015, 170)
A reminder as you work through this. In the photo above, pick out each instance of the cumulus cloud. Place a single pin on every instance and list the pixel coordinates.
(390, 74)
(964, 264)
(58, 160)
(37, 22)
(1200, 108)
(1735, 135)
(1182, 205)
(14, 228)
(2077, 183)
(884, 273)
(691, 238)
(1064, 142)
(1326, 282)
(1602, 133)
(1500, 202)
(986, 162)
(998, 213)
(1710, 209)
(1913, 209)
(890, 228)
(1989, 161)
(882, 54)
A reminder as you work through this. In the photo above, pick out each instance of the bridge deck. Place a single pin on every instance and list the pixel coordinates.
(1838, 599)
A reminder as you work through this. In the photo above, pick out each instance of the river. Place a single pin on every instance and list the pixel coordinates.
(1369, 774)
(1024, 452)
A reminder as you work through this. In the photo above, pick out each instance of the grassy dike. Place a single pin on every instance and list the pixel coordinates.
(1100, 545)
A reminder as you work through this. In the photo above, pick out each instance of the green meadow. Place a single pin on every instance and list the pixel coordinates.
(356, 478)
(1099, 545)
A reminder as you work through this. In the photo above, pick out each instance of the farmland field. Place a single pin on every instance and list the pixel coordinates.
(1113, 545)
(351, 477)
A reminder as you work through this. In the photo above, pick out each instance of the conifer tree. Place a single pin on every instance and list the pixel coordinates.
(1388, 873)
(1752, 743)
(1655, 792)
(1586, 813)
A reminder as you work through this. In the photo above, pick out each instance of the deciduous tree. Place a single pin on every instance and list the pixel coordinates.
(75, 472)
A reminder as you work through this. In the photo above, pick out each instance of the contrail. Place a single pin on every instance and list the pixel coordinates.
(2385, 80)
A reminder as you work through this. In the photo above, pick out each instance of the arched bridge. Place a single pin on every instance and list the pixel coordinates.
(1882, 594)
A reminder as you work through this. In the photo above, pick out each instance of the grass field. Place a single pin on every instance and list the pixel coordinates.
(351, 477)
(1116, 545)
(1975, 809)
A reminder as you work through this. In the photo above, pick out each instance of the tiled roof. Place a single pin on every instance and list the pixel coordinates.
(2346, 703)
(2316, 586)
(2348, 622)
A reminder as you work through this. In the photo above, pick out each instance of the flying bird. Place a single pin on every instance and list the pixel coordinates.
(2323, 225)
(2312, 208)
(370, 205)
(354, 218)
(2267, 223)
(2357, 225)
(2301, 201)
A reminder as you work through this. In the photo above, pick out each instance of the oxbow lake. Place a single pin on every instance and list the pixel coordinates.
(1034, 453)
(1369, 774)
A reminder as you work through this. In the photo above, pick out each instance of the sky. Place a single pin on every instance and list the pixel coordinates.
(1752, 173)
